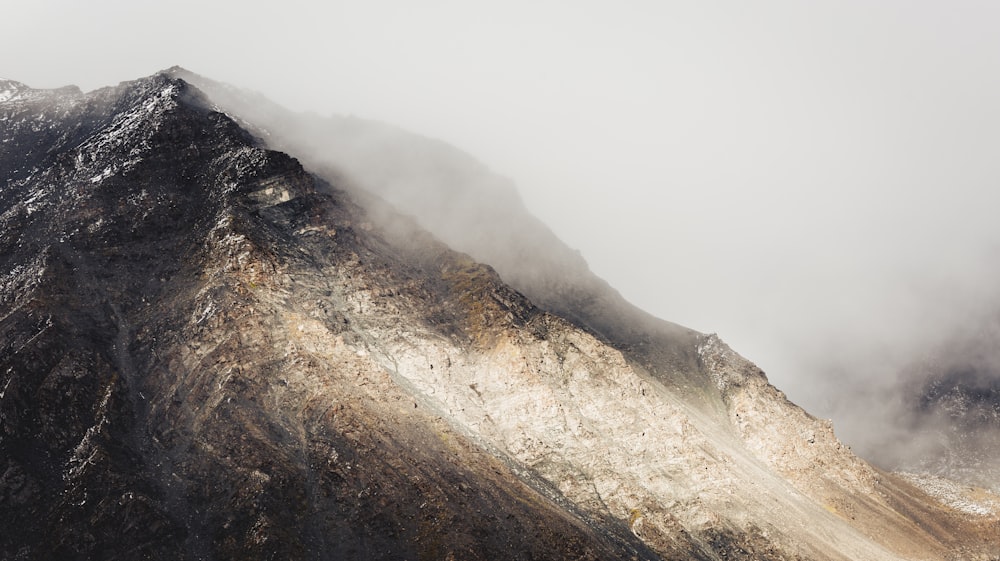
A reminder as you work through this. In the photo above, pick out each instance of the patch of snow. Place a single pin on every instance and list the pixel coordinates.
(103, 175)
(77, 462)
(3, 392)
(949, 493)
(138, 198)
(127, 129)
(9, 89)
(23, 278)
(96, 225)
(33, 202)
(207, 312)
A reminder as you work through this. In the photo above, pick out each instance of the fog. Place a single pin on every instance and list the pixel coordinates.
(815, 183)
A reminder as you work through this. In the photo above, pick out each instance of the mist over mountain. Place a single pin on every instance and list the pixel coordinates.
(871, 386)
(464, 204)
(953, 408)
(816, 183)
(210, 350)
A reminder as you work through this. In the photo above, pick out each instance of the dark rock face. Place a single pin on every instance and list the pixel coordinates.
(146, 410)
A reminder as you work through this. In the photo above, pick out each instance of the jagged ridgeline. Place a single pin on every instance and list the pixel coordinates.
(209, 352)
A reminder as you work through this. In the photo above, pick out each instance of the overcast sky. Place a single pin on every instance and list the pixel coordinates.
(805, 178)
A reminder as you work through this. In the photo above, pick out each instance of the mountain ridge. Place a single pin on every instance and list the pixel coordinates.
(253, 353)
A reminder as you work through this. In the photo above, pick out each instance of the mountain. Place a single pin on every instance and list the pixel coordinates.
(947, 428)
(953, 406)
(208, 351)
(471, 209)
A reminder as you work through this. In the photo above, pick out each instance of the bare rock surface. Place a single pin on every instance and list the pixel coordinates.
(208, 353)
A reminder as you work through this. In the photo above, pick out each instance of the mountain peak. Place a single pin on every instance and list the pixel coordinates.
(9, 89)
(177, 71)
(6, 83)
(12, 90)
(207, 352)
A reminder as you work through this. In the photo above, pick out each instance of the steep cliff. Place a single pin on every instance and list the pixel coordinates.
(207, 352)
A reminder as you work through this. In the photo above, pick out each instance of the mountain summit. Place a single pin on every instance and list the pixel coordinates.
(209, 352)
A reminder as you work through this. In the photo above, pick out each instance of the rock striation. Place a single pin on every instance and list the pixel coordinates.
(208, 352)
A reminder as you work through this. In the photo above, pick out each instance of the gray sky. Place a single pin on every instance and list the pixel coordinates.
(814, 181)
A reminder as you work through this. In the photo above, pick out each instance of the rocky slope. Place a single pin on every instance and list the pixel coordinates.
(207, 352)
(954, 407)
(471, 209)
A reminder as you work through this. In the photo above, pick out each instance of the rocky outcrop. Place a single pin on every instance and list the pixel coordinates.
(208, 352)
(954, 409)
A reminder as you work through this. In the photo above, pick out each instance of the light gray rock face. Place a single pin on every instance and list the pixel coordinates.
(210, 353)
